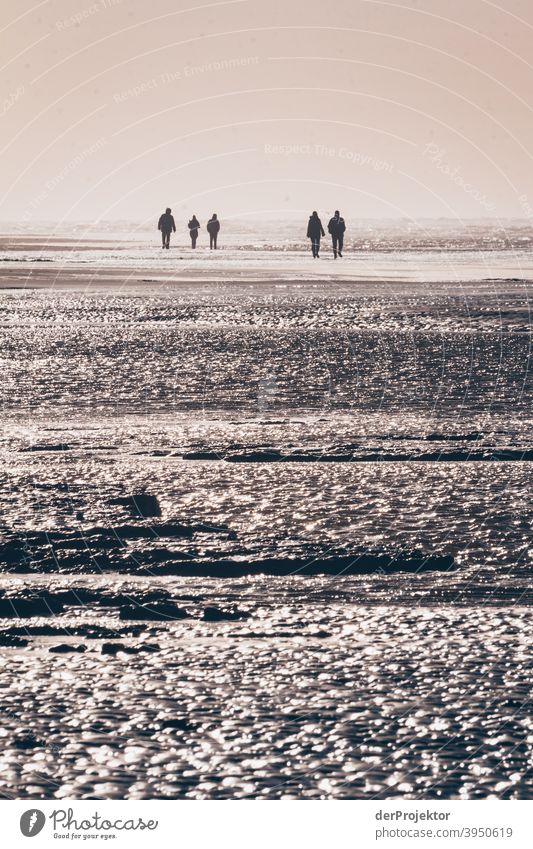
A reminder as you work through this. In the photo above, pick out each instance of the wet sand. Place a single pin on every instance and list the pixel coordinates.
(307, 702)
(264, 420)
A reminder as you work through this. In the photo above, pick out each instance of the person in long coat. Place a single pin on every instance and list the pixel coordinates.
(314, 232)
(194, 226)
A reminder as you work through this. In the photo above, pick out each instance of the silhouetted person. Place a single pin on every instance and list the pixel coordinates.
(314, 232)
(337, 227)
(167, 226)
(213, 226)
(194, 226)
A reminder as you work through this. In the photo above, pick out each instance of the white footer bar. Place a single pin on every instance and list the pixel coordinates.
(263, 825)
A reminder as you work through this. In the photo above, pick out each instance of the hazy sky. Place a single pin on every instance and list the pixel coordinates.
(117, 108)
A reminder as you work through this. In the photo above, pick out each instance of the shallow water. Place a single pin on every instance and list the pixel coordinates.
(284, 421)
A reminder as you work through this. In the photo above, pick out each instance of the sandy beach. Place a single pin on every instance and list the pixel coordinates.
(265, 531)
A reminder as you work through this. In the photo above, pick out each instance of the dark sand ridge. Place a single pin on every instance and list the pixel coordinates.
(77, 277)
(190, 276)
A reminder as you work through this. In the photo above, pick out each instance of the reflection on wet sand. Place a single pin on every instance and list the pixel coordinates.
(160, 439)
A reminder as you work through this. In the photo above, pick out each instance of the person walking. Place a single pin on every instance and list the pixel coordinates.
(314, 232)
(167, 226)
(213, 226)
(194, 226)
(336, 228)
